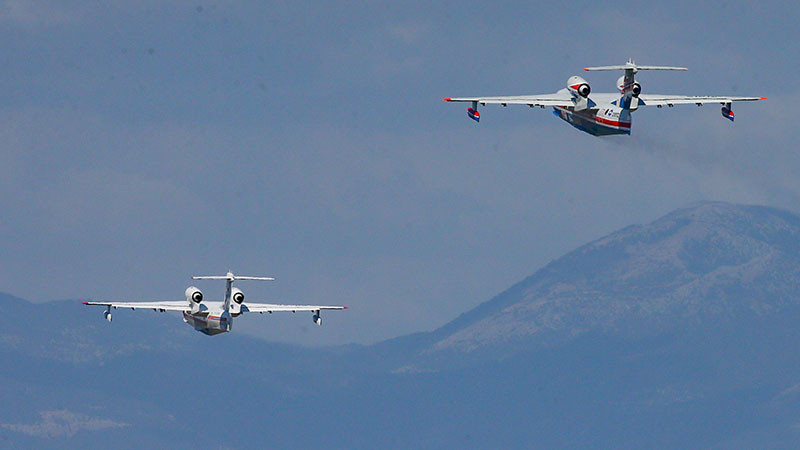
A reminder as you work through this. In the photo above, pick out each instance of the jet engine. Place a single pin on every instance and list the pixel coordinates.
(237, 297)
(578, 86)
(636, 90)
(195, 297)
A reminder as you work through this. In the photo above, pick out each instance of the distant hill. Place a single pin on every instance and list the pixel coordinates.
(711, 263)
(679, 333)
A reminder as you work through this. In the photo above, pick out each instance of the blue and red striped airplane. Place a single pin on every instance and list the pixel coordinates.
(602, 114)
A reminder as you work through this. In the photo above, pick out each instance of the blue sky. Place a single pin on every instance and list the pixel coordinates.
(144, 142)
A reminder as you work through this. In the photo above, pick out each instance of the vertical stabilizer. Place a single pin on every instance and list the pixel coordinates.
(627, 100)
(228, 286)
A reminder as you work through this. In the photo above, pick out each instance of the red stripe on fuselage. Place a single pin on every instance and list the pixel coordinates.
(596, 118)
(615, 123)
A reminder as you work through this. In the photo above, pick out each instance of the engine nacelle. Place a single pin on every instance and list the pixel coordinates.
(636, 90)
(107, 315)
(577, 86)
(237, 298)
(237, 295)
(317, 318)
(194, 297)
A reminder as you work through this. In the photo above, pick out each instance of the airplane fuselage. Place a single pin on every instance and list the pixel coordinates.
(604, 118)
(595, 121)
(212, 321)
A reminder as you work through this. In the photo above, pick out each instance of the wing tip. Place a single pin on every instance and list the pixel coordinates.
(345, 307)
(85, 303)
(447, 99)
(586, 69)
(762, 98)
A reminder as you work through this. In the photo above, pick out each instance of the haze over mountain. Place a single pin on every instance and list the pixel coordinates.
(681, 332)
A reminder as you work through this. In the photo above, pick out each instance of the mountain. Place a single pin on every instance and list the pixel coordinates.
(682, 332)
(714, 262)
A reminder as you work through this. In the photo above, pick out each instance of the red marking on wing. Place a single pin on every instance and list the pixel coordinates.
(447, 99)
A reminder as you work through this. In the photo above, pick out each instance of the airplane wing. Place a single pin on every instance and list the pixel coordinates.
(557, 99)
(166, 306)
(268, 307)
(670, 100)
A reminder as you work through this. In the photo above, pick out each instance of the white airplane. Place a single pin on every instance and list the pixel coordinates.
(602, 114)
(215, 317)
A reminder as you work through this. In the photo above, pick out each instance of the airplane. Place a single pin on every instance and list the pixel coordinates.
(213, 318)
(603, 114)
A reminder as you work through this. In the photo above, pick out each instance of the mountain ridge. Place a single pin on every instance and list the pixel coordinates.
(668, 257)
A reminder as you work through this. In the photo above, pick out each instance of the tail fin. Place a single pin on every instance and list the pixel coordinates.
(627, 100)
(230, 278)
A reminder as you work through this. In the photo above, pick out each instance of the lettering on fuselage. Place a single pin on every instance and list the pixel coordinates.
(610, 113)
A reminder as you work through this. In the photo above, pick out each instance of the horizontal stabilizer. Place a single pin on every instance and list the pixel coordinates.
(630, 65)
(634, 68)
(231, 277)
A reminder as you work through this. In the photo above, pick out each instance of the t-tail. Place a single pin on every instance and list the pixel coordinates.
(229, 279)
(628, 86)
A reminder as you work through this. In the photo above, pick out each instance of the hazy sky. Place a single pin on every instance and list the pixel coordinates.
(144, 142)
